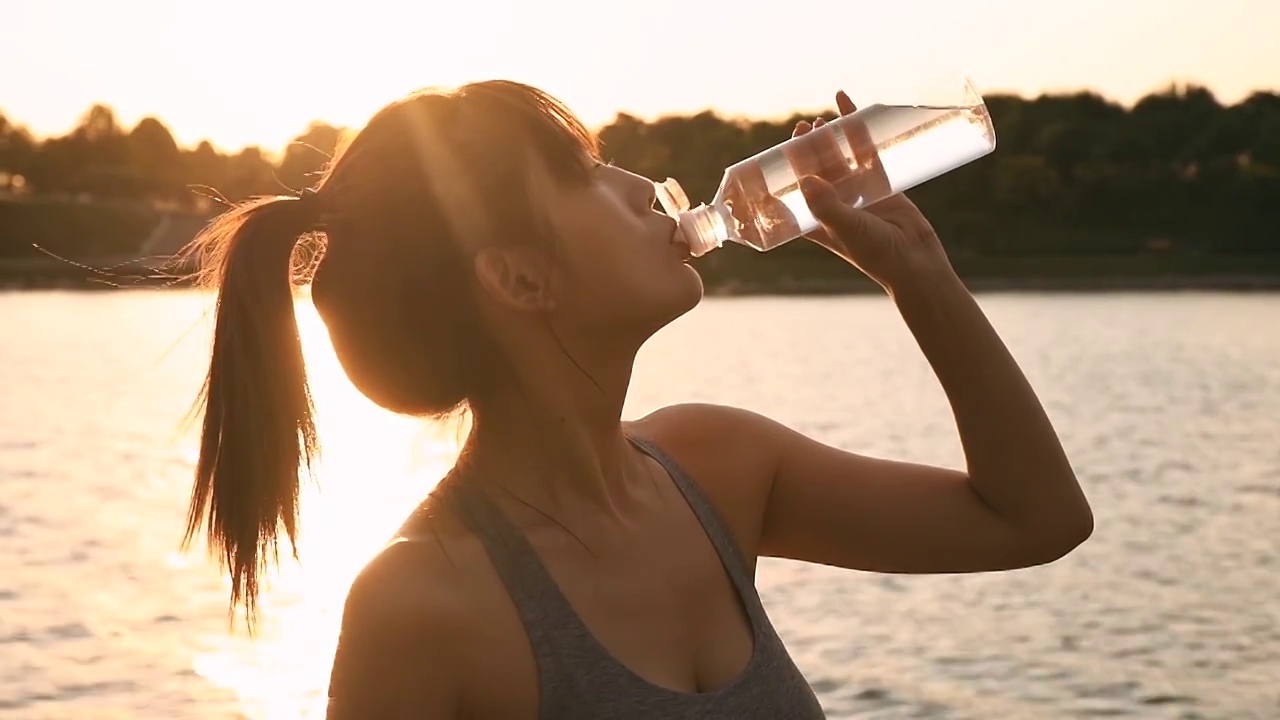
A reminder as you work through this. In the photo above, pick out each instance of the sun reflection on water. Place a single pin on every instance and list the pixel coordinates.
(375, 467)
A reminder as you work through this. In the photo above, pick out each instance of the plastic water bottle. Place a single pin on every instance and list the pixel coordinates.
(869, 155)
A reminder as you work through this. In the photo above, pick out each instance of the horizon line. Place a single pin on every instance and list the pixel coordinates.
(1173, 85)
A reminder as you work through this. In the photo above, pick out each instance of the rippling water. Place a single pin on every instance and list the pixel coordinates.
(1169, 405)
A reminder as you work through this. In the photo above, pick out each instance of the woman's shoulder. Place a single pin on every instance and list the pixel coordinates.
(420, 583)
(411, 620)
(400, 636)
(724, 450)
(708, 439)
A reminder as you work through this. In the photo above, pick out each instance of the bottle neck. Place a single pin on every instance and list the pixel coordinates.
(706, 228)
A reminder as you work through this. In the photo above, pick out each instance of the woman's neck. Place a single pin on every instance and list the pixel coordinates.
(565, 453)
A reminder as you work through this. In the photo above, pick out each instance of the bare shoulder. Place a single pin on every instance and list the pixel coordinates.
(411, 586)
(713, 436)
(706, 418)
(405, 626)
(730, 452)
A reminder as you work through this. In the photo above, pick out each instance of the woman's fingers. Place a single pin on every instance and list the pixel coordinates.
(818, 153)
(845, 104)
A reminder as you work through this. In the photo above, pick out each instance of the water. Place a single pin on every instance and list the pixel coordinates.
(876, 152)
(1166, 403)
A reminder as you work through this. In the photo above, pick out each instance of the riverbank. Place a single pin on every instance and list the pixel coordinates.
(64, 275)
(103, 246)
(1223, 283)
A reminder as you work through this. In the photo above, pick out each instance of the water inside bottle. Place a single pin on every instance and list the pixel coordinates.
(868, 156)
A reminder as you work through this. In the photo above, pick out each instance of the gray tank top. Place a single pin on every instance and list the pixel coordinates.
(579, 679)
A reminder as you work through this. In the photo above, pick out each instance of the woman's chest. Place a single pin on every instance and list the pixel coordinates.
(658, 613)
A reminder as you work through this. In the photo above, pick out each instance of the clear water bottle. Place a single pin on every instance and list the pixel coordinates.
(878, 151)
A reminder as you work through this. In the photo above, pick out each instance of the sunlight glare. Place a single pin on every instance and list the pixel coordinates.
(375, 468)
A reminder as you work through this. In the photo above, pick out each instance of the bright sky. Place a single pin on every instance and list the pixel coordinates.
(256, 71)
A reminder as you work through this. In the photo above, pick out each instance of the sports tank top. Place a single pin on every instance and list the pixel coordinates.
(579, 679)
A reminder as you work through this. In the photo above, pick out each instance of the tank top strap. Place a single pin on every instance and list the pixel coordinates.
(554, 631)
(578, 679)
(713, 525)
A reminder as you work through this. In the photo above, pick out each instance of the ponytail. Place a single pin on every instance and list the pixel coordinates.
(258, 427)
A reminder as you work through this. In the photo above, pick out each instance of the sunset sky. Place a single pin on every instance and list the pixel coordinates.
(239, 72)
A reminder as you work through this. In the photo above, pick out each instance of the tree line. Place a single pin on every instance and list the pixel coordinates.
(1073, 174)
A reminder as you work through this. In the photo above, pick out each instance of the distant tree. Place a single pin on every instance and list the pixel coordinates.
(624, 142)
(54, 168)
(95, 157)
(1168, 123)
(250, 173)
(1073, 173)
(156, 161)
(205, 171)
(1026, 183)
(17, 151)
(305, 158)
(98, 124)
(1260, 119)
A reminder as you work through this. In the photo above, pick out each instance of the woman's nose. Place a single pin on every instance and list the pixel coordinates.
(646, 193)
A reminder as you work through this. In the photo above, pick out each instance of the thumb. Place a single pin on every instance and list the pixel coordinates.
(828, 209)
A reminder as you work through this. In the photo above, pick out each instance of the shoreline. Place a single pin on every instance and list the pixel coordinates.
(855, 284)
(987, 284)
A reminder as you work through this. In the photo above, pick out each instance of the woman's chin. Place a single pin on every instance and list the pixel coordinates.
(692, 291)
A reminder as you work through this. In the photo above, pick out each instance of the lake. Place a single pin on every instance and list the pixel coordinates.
(1168, 404)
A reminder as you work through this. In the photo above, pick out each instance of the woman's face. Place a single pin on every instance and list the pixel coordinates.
(619, 266)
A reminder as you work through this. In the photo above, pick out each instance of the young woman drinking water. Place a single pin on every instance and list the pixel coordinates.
(478, 256)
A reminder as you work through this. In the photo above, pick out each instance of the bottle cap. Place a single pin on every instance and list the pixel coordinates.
(672, 198)
(696, 225)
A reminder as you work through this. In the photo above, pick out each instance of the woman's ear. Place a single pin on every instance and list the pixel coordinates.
(517, 278)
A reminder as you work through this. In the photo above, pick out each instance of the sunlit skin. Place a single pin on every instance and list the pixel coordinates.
(429, 630)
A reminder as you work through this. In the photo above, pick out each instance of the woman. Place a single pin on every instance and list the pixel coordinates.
(479, 256)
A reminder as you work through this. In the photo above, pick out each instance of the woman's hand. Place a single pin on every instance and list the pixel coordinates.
(890, 241)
